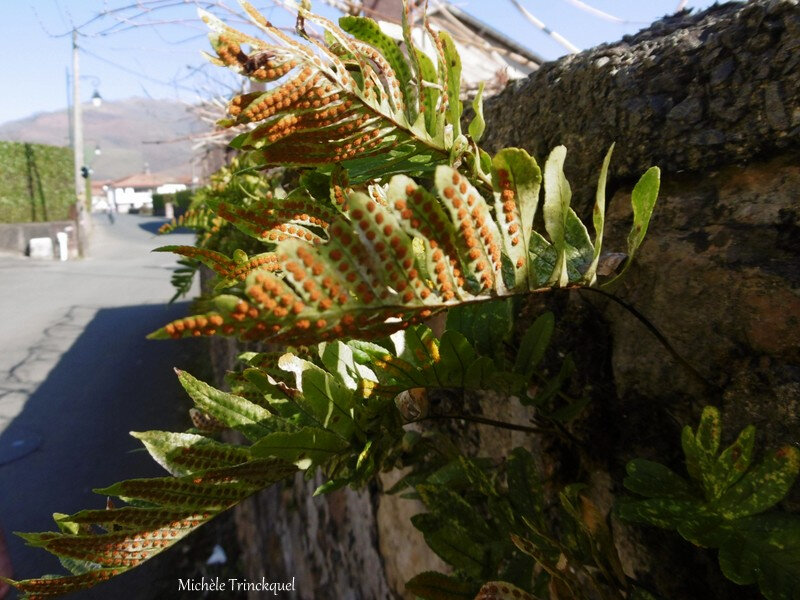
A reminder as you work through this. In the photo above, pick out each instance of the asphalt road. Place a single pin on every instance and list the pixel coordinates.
(76, 375)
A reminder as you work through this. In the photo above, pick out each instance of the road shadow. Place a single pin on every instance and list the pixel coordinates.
(109, 382)
(154, 226)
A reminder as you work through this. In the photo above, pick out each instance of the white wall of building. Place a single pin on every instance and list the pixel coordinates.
(139, 198)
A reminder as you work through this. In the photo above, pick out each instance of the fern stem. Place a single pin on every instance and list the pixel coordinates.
(487, 421)
(659, 336)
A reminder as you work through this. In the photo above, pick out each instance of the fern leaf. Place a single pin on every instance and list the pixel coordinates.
(272, 220)
(252, 420)
(200, 218)
(353, 98)
(502, 590)
(134, 534)
(339, 416)
(369, 31)
(397, 257)
(182, 277)
(186, 453)
(229, 270)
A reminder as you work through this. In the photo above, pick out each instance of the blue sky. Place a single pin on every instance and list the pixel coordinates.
(162, 59)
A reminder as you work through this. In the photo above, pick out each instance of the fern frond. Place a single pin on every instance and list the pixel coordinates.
(183, 277)
(395, 258)
(338, 409)
(230, 271)
(172, 508)
(199, 219)
(271, 219)
(344, 101)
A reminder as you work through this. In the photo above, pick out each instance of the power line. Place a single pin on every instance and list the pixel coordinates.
(597, 12)
(137, 73)
(553, 34)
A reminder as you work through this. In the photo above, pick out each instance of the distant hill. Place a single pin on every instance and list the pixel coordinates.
(121, 129)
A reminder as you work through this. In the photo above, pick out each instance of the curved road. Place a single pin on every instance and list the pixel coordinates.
(76, 375)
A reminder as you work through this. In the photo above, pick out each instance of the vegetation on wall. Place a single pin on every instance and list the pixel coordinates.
(36, 182)
(357, 210)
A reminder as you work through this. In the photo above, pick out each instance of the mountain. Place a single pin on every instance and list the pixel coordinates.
(125, 131)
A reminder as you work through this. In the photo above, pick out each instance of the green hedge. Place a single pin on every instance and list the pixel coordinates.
(180, 200)
(36, 182)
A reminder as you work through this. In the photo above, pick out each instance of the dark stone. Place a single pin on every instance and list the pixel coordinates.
(688, 111)
(721, 72)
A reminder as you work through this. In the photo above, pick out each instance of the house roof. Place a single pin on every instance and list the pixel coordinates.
(99, 185)
(487, 32)
(486, 53)
(147, 180)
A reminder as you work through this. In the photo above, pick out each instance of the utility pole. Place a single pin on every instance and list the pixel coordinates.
(77, 148)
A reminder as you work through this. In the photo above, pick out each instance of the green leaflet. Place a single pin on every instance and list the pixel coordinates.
(733, 462)
(430, 94)
(724, 505)
(327, 401)
(524, 485)
(431, 585)
(439, 499)
(478, 125)
(761, 487)
(487, 326)
(457, 355)
(765, 550)
(518, 178)
(534, 342)
(579, 249)
(453, 545)
(643, 199)
(452, 67)
(557, 195)
(599, 217)
(648, 478)
(338, 360)
(502, 590)
(187, 453)
(307, 447)
(235, 412)
(370, 32)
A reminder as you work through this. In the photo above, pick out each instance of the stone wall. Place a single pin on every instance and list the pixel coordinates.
(714, 100)
(14, 237)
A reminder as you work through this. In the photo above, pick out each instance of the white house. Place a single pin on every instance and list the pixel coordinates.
(136, 191)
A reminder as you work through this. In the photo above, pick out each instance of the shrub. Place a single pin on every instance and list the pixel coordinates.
(36, 182)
